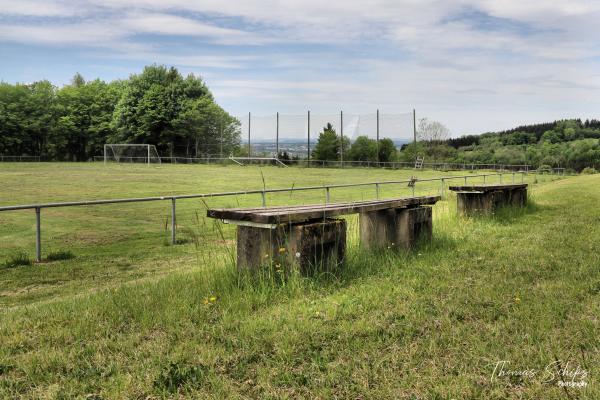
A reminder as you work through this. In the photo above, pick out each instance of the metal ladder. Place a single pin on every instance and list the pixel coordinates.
(419, 162)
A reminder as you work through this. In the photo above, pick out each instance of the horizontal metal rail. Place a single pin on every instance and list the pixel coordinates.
(315, 162)
(238, 193)
(173, 199)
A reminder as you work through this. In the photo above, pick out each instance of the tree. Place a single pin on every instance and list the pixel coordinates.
(387, 150)
(206, 128)
(329, 145)
(176, 114)
(432, 131)
(363, 149)
(83, 116)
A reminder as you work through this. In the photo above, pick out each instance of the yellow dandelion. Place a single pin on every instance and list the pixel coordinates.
(213, 299)
(281, 250)
(517, 299)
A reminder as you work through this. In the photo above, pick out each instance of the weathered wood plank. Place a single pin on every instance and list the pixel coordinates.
(286, 214)
(486, 188)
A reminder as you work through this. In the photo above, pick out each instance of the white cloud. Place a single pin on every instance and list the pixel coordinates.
(157, 23)
(37, 8)
(394, 54)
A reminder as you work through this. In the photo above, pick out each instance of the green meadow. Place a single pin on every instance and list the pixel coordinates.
(130, 316)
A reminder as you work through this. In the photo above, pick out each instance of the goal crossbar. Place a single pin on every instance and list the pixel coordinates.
(142, 152)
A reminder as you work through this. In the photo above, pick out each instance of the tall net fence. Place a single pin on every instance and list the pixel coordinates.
(294, 133)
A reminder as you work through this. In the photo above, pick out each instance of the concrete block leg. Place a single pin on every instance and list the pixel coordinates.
(317, 245)
(474, 203)
(397, 228)
(518, 197)
(306, 246)
(415, 224)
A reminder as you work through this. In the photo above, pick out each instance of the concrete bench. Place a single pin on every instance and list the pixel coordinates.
(486, 199)
(310, 235)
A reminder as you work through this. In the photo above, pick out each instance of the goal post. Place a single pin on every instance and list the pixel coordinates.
(132, 153)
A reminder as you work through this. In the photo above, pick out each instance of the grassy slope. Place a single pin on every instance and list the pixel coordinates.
(521, 287)
(126, 242)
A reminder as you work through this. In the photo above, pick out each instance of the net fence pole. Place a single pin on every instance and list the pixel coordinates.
(308, 141)
(378, 137)
(249, 149)
(341, 139)
(415, 131)
(148, 151)
(105, 159)
(277, 138)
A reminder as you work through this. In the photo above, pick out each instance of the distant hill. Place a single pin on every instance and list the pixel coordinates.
(569, 143)
(536, 129)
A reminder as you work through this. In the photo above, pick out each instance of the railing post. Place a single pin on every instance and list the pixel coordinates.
(513, 177)
(465, 180)
(173, 223)
(264, 199)
(326, 195)
(377, 190)
(38, 234)
(484, 175)
(442, 189)
(500, 177)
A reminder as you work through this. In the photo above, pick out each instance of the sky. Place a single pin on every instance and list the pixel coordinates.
(475, 66)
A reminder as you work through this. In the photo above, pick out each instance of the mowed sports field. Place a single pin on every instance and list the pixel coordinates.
(133, 317)
(121, 242)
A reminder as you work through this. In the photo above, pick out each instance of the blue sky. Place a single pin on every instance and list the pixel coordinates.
(473, 65)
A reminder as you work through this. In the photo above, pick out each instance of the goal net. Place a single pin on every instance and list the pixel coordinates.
(131, 153)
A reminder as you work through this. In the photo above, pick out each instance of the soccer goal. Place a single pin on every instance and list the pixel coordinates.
(131, 153)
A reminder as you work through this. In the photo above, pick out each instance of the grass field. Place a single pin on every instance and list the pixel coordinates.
(113, 244)
(130, 317)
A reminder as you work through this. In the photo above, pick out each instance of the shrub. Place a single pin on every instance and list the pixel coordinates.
(544, 168)
(17, 260)
(589, 171)
(60, 255)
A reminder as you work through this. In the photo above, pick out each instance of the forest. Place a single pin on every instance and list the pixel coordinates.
(158, 106)
(572, 144)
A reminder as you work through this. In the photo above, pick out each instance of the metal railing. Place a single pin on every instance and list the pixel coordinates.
(263, 192)
(20, 158)
(329, 163)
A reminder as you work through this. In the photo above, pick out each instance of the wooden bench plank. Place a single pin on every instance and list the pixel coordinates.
(285, 214)
(486, 188)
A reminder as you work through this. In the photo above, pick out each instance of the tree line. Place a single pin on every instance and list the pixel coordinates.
(332, 147)
(159, 106)
(572, 143)
(180, 117)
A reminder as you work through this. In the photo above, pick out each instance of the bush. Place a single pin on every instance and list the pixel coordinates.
(60, 255)
(544, 168)
(589, 171)
(17, 260)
